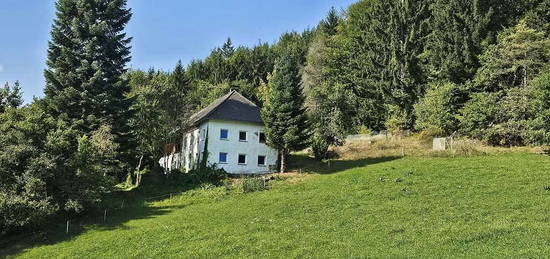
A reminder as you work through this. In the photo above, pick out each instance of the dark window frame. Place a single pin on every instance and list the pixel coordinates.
(239, 159)
(226, 134)
(263, 164)
(260, 138)
(220, 156)
(245, 136)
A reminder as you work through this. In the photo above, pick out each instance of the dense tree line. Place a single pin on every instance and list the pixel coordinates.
(478, 68)
(62, 153)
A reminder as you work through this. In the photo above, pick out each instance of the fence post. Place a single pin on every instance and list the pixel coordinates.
(67, 231)
(122, 206)
(105, 216)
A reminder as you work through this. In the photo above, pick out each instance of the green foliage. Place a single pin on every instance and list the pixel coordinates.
(253, 184)
(518, 56)
(438, 109)
(10, 97)
(208, 174)
(328, 104)
(503, 118)
(459, 32)
(41, 174)
(452, 56)
(204, 156)
(540, 132)
(284, 114)
(85, 63)
(479, 114)
(512, 115)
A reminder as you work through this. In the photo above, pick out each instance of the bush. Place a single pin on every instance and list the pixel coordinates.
(479, 114)
(540, 126)
(208, 174)
(438, 109)
(319, 147)
(253, 184)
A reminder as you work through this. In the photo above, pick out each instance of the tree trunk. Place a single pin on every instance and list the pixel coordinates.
(138, 174)
(283, 166)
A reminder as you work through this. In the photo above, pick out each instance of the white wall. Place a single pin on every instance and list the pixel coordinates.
(233, 147)
(190, 148)
(194, 140)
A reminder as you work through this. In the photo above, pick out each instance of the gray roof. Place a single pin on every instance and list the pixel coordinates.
(232, 106)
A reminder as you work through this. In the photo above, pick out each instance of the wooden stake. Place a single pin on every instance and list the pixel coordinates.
(105, 216)
(67, 231)
(122, 206)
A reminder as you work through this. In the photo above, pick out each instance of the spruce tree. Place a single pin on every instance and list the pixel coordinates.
(329, 25)
(87, 55)
(284, 113)
(227, 48)
(178, 96)
(10, 97)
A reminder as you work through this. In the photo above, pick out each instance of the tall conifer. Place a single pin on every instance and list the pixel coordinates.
(87, 56)
(284, 113)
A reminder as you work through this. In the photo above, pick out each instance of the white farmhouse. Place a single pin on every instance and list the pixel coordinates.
(236, 141)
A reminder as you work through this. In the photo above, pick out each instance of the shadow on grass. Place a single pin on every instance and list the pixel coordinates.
(308, 164)
(124, 206)
(117, 209)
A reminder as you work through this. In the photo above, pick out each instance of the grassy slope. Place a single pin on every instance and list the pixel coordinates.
(476, 207)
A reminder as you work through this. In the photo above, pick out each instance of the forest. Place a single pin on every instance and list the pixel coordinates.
(475, 68)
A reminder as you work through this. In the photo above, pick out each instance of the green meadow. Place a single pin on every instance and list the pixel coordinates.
(480, 206)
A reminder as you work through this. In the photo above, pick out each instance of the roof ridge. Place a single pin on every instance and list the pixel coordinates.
(225, 97)
(214, 108)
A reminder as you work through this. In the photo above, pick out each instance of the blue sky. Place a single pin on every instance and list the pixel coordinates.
(164, 31)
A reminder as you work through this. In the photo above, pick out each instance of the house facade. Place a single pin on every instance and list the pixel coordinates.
(236, 141)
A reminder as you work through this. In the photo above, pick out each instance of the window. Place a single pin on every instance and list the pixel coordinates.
(261, 160)
(242, 159)
(242, 135)
(224, 134)
(223, 158)
(262, 137)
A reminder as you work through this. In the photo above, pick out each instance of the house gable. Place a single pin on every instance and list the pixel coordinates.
(230, 107)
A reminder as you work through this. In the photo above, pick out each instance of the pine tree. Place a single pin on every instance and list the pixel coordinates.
(87, 55)
(178, 96)
(10, 96)
(284, 113)
(227, 48)
(399, 66)
(329, 25)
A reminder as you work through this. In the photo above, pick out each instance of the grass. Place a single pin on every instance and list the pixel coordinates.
(478, 206)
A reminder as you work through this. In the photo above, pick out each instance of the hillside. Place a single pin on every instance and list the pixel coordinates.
(490, 205)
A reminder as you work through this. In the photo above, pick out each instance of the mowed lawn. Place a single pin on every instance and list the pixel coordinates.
(485, 206)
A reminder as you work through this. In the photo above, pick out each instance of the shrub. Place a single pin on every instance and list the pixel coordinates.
(438, 109)
(479, 114)
(253, 184)
(208, 174)
(397, 122)
(540, 126)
